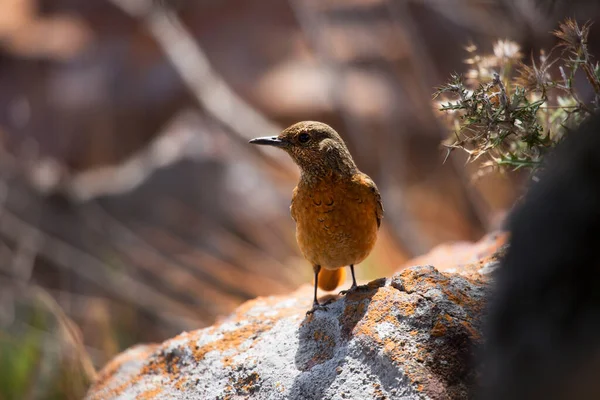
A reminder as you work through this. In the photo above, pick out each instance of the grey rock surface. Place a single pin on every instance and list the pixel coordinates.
(407, 337)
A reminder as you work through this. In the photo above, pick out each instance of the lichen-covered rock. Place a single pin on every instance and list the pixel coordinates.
(406, 337)
(473, 260)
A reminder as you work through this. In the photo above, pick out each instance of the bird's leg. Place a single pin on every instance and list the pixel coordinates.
(354, 286)
(316, 306)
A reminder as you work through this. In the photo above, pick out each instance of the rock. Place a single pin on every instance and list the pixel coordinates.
(473, 260)
(410, 336)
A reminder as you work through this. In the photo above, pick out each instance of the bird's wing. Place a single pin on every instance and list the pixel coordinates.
(373, 192)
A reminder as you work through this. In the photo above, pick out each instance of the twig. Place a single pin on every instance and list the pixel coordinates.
(209, 89)
(126, 235)
(88, 267)
(311, 24)
(423, 66)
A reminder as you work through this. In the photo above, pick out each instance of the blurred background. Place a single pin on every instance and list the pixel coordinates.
(132, 207)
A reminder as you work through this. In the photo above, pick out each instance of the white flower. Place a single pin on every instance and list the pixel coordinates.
(507, 49)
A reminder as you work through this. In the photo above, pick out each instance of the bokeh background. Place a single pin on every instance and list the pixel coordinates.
(132, 207)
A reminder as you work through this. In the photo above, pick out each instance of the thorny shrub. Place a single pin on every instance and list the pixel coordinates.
(509, 113)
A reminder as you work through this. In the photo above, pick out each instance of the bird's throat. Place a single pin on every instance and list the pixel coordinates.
(328, 167)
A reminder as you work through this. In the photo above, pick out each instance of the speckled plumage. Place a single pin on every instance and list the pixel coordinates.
(336, 219)
(336, 207)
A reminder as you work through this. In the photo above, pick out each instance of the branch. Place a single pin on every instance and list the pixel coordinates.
(209, 89)
(88, 267)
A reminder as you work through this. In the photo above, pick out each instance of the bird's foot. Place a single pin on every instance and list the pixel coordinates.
(355, 288)
(316, 307)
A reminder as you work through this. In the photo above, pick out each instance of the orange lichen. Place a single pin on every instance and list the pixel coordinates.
(179, 385)
(378, 392)
(149, 394)
(462, 299)
(439, 329)
(167, 363)
(247, 384)
(389, 347)
(233, 339)
(242, 385)
(105, 378)
(412, 278)
(408, 308)
(472, 331)
(376, 315)
(162, 363)
(421, 355)
(117, 391)
(251, 330)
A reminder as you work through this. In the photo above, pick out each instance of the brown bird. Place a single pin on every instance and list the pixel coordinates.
(336, 207)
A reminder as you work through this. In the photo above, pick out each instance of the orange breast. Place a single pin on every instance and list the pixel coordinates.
(336, 221)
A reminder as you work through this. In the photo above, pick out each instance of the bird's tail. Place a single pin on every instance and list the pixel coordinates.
(329, 279)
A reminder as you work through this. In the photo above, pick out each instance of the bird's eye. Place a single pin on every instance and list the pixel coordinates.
(303, 137)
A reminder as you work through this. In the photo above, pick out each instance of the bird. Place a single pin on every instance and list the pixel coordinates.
(337, 208)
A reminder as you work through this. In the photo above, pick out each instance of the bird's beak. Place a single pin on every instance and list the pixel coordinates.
(269, 141)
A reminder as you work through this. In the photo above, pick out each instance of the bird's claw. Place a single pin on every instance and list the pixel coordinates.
(354, 288)
(316, 307)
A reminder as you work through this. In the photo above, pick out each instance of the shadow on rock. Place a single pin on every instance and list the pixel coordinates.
(322, 336)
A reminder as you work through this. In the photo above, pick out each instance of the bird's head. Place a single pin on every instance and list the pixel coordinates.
(316, 147)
